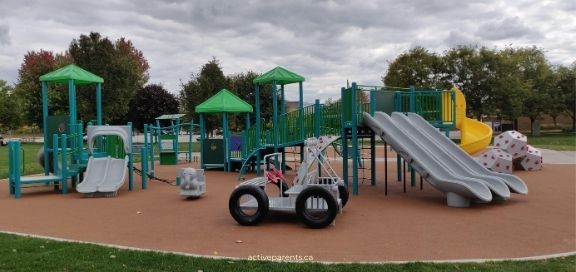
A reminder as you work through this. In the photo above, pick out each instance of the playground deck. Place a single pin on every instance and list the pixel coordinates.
(416, 225)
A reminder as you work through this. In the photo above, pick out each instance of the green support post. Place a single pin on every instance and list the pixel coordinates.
(190, 140)
(301, 112)
(64, 170)
(275, 120)
(99, 104)
(45, 126)
(258, 128)
(202, 139)
(344, 140)
(354, 140)
(144, 166)
(317, 120)
(175, 143)
(130, 161)
(226, 142)
(372, 159)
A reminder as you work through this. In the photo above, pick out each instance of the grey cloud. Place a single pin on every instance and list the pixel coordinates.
(5, 34)
(509, 28)
(327, 41)
(456, 38)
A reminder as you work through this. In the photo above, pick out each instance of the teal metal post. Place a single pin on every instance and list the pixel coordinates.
(99, 104)
(202, 139)
(130, 160)
(226, 142)
(354, 140)
(190, 139)
(175, 145)
(373, 140)
(317, 120)
(15, 173)
(258, 130)
(373, 159)
(144, 166)
(275, 120)
(284, 128)
(301, 111)
(158, 138)
(72, 103)
(344, 140)
(45, 127)
(64, 170)
(283, 113)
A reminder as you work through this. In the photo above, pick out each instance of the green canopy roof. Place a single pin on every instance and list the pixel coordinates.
(224, 101)
(279, 74)
(79, 75)
(170, 116)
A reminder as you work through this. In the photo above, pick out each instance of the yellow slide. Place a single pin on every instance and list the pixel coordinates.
(475, 135)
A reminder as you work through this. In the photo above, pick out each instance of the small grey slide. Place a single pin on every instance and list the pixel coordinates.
(453, 164)
(515, 184)
(104, 175)
(95, 170)
(460, 191)
(115, 175)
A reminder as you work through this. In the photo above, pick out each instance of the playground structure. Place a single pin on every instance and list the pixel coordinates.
(442, 109)
(63, 155)
(351, 118)
(315, 199)
(217, 153)
(167, 138)
(345, 118)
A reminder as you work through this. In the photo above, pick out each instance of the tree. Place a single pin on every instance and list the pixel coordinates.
(123, 67)
(200, 87)
(242, 85)
(10, 107)
(416, 67)
(28, 88)
(536, 73)
(473, 71)
(150, 102)
(566, 85)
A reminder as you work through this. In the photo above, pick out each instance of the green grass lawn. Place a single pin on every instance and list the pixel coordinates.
(554, 141)
(31, 165)
(31, 254)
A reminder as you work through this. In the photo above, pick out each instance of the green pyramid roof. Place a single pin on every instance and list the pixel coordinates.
(79, 75)
(224, 101)
(279, 74)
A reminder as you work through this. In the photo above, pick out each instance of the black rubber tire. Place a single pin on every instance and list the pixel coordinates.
(309, 220)
(344, 194)
(236, 212)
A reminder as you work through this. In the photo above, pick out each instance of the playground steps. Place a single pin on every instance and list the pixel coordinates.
(259, 181)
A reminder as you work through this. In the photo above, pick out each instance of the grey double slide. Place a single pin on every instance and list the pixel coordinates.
(441, 162)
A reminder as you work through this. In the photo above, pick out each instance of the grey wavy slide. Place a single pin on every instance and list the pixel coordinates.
(456, 167)
(515, 184)
(460, 191)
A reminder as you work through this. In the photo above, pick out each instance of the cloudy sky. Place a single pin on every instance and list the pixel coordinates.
(328, 42)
